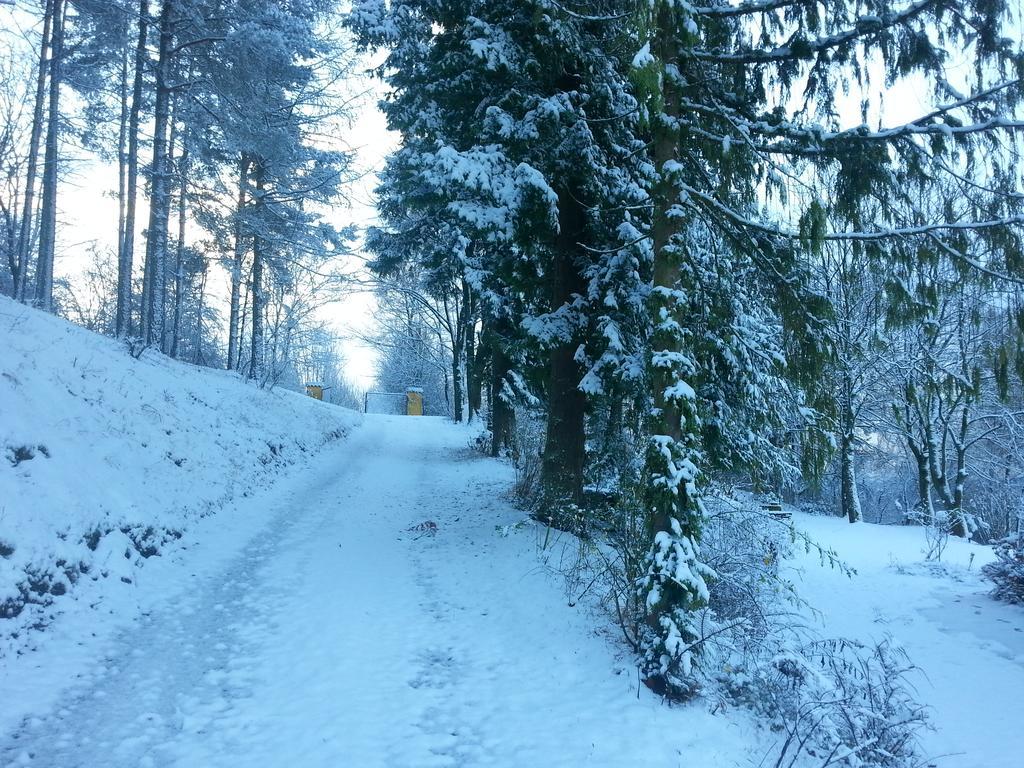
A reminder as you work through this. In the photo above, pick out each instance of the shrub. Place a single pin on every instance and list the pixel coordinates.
(1008, 570)
(839, 703)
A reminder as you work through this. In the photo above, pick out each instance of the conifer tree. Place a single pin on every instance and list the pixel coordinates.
(718, 84)
(518, 156)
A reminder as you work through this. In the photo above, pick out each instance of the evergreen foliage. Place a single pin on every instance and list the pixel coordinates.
(1008, 571)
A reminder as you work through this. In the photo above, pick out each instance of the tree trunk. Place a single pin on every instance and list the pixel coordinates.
(458, 349)
(448, 395)
(125, 264)
(234, 320)
(674, 585)
(198, 357)
(473, 384)
(958, 519)
(28, 208)
(122, 170)
(849, 499)
(179, 261)
(924, 484)
(48, 212)
(258, 298)
(502, 413)
(564, 445)
(244, 314)
(155, 294)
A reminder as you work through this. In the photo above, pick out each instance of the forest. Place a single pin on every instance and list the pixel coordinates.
(666, 257)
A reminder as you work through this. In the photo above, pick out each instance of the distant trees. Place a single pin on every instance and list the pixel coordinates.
(217, 114)
(420, 342)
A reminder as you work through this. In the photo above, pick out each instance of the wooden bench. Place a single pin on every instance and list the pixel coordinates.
(775, 509)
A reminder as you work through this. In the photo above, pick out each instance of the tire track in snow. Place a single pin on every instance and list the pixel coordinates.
(335, 638)
(181, 669)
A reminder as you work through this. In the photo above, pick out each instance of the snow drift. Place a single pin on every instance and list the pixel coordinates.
(105, 460)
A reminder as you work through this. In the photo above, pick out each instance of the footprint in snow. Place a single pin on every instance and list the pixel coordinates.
(437, 668)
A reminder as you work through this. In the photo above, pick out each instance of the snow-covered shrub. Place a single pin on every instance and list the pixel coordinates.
(480, 439)
(834, 702)
(527, 449)
(840, 703)
(1008, 570)
(744, 546)
(749, 599)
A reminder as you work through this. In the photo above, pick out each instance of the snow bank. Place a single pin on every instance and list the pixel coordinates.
(968, 648)
(105, 460)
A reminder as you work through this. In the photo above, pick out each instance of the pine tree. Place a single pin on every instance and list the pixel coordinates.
(718, 83)
(523, 194)
(269, 99)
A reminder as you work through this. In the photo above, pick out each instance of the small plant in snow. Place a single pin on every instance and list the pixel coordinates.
(426, 528)
(936, 525)
(135, 346)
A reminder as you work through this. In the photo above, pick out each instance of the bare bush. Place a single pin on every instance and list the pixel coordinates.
(527, 449)
(840, 703)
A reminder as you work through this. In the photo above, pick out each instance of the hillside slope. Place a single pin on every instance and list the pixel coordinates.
(105, 460)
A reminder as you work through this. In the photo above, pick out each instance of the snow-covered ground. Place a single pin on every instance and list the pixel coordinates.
(335, 629)
(106, 460)
(968, 647)
(381, 603)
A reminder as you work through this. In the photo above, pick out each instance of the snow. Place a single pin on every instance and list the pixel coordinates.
(318, 627)
(126, 455)
(382, 602)
(643, 57)
(969, 648)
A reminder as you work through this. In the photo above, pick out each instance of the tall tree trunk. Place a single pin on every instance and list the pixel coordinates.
(502, 414)
(258, 296)
(957, 515)
(155, 294)
(125, 263)
(674, 585)
(458, 349)
(235, 317)
(256, 348)
(246, 294)
(924, 489)
(849, 499)
(457, 393)
(28, 208)
(564, 443)
(198, 356)
(122, 164)
(473, 386)
(925, 509)
(179, 260)
(48, 211)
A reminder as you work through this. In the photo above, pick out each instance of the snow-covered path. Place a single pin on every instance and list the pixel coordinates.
(336, 636)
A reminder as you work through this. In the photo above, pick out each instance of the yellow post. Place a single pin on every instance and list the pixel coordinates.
(414, 402)
(315, 391)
